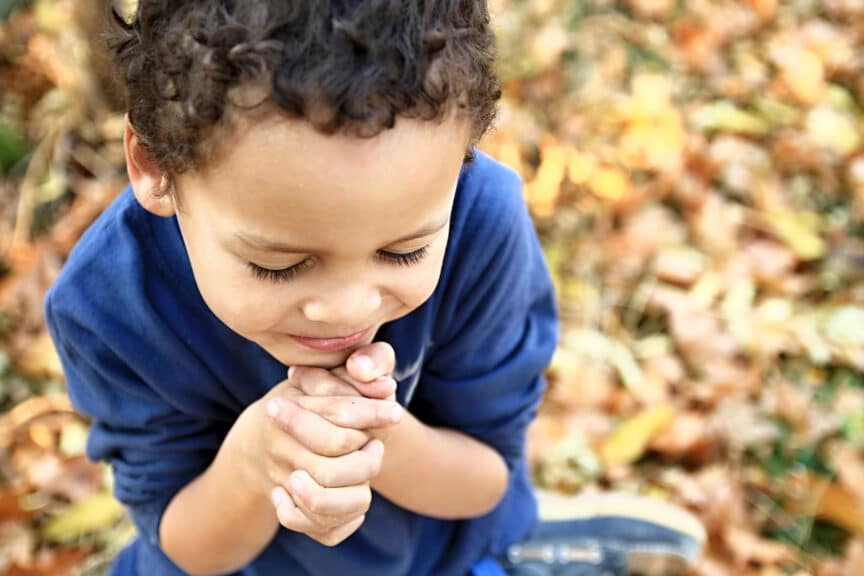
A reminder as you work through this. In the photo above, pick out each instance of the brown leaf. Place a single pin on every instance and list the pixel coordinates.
(51, 562)
(10, 505)
(652, 8)
(849, 464)
(854, 561)
(687, 435)
(17, 542)
(747, 547)
(679, 265)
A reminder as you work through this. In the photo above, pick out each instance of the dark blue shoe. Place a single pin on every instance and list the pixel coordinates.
(608, 534)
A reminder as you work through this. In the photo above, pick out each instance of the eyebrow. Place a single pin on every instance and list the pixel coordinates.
(267, 245)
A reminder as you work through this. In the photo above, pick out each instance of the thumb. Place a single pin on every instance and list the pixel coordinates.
(383, 388)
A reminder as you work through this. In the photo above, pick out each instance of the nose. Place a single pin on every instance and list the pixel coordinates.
(351, 305)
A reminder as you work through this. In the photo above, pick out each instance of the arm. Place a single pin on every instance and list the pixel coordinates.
(440, 472)
(205, 514)
(297, 442)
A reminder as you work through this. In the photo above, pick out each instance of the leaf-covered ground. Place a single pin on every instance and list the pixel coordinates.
(696, 173)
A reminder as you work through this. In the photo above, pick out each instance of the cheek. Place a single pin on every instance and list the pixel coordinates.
(242, 302)
(414, 287)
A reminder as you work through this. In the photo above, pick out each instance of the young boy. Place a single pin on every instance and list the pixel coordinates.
(305, 193)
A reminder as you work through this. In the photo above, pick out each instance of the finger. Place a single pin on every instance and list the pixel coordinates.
(371, 361)
(290, 516)
(328, 507)
(337, 535)
(355, 468)
(319, 382)
(383, 388)
(314, 432)
(354, 411)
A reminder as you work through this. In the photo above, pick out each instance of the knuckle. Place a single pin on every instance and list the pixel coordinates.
(330, 541)
(324, 477)
(340, 443)
(373, 466)
(288, 416)
(315, 503)
(284, 520)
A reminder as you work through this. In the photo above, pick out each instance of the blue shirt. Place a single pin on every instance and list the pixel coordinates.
(164, 379)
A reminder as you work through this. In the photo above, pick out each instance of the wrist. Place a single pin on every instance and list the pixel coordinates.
(237, 453)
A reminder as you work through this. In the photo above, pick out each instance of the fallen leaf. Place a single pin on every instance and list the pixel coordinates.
(800, 231)
(630, 439)
(841, 506)
(679, 265)
(50, 562)
(725, 116)
(833, 130)
(41, 359)
(686, 435)
(542, 191)
(610, 183)
(81, 518)
(747, 547)
(17, 543)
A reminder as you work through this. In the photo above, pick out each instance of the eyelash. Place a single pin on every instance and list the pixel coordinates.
(289, 273)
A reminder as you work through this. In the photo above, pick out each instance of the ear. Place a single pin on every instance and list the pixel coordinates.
(145, 176)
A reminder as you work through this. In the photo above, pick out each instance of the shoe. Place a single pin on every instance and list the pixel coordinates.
(614, 534)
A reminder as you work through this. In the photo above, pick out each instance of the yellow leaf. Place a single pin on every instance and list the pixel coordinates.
(89, 515)
(542, 192)
(628, 442)
(651, 96)
(804, 74)
(580, 167)
(800, 232)
(610, 183)
(41, 358)
(832, 129)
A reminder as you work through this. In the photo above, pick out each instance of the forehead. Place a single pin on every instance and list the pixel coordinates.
(280, 178)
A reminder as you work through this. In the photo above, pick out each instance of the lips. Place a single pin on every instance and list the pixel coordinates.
(330, 344)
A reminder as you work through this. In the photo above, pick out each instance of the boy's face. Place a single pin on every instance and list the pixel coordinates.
(306, 244)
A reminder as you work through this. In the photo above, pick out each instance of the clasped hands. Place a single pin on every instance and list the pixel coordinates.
(324, 442)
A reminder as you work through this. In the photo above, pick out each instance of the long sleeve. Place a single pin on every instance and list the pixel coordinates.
(153, 448)
(484, 375)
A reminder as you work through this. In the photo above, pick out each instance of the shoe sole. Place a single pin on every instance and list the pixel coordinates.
(643, 558)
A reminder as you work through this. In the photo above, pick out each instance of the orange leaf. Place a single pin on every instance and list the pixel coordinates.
(843, 507)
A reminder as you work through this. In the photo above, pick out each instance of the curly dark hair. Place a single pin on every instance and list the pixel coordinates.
(346, 66)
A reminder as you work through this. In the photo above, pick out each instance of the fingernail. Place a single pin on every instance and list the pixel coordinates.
(296, 485)
(290, 371)
(276, 496)
(396, 413)
(378, 448)
(364, 363)
(273, 407)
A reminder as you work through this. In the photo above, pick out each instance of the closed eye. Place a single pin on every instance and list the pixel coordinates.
(289, 273)
(406, 259)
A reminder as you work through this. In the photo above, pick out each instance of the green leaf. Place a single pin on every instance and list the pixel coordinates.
(725, 116)
(9, 6)
(13, 147)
